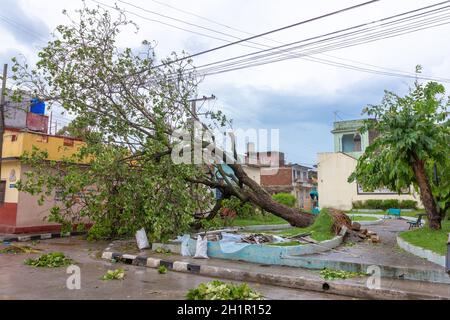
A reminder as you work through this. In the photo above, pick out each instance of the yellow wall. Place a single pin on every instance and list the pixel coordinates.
(334, 168)
(11, 193)
(26, 140)
(12, 148)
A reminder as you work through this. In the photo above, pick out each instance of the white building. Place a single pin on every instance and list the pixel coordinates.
(334, 168)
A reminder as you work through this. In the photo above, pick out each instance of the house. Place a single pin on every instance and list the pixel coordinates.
(334, 168)
(276, 176)
(24, 129)
(290, 178)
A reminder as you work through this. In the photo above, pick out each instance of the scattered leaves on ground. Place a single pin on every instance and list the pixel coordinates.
(218, 290)
(162, 250)
(162, 269)
(332, 274)
(117, 274)
(17, 249)
(50, 260)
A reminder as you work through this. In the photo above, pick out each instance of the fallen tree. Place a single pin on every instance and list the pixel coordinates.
(124, 99)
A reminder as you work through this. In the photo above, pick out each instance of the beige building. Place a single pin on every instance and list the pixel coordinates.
(254, 172)
(334, 168)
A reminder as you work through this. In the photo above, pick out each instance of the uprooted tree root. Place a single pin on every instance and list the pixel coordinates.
(340, 219)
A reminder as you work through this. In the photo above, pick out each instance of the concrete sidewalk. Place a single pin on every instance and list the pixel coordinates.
(289, 277)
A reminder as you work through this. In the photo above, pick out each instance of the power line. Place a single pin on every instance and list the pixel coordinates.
(163, 23)
(22, 28)
(201, 17)
(268, 32)
(317, 60)
(178, 20)
(325, 35)
(382, 35)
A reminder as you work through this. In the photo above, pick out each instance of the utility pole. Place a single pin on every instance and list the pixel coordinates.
(2, 119)
(50, 127)
(194, 103)
(194, 116)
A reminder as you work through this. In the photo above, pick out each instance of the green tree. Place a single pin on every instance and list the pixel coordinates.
(131, 99)
(117, 194)
(414, 137)
(285, 198)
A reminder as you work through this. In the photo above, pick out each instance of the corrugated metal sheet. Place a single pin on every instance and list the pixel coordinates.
(37, 122)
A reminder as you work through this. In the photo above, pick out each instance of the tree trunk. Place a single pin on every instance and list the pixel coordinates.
(259, 196)
(434, 218)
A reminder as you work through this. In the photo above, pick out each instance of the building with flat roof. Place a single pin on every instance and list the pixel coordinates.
(25, 130)
(334, 168)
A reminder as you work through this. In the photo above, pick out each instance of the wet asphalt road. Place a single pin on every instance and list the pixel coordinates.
(18, 281)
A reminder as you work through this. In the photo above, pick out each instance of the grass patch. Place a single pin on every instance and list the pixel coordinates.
(359, 218)
(434, 240)
(320, 230)
(257, 220)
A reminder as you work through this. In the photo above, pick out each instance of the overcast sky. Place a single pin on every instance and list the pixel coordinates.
(296, 96)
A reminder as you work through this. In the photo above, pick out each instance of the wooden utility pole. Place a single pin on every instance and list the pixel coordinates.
(2, 114)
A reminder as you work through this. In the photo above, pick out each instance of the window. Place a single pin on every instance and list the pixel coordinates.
(348, 143)
(357, 142)
(13, 137)
(68, 142)
(2, 191)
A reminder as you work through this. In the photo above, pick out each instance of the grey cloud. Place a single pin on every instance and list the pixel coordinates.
(25, 28)
(304, 121)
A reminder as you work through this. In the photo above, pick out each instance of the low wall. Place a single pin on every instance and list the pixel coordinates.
(421, 252)
(265, 254)
(257, 253)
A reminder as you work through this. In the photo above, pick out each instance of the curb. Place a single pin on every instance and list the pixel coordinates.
(421, 252)
(42, 236)
(323, 286)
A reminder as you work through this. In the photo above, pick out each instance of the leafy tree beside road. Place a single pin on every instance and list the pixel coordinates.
(413, 147)
(128, 106)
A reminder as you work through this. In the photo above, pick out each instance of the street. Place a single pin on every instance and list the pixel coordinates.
(19, 281)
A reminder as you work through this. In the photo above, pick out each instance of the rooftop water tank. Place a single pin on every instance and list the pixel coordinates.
(37, 106)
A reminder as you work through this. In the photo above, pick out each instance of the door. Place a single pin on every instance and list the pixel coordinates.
(2, 191)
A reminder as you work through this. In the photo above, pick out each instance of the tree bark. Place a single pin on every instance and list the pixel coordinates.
(434, 218)
(259, 196)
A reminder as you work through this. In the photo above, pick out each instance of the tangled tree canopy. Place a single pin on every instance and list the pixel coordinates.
(129, 107)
